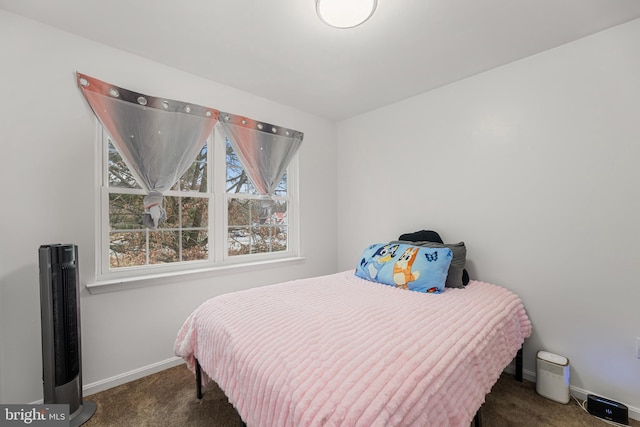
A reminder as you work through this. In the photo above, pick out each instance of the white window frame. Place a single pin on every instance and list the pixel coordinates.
(217, 226)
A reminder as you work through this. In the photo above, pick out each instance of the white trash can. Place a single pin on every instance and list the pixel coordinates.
(552, 376)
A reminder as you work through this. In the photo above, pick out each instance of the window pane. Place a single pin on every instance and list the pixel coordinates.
(259, 240)
(243, 212)
(195, 179)
(119, 173)
(277, 214)
(237, 179)
(163, 247)
(125, 211)
(239, 240)
(265, 239)
(246, 212)
(127, 249)
(256, 227)
(172, 208)
(279, 239)
(281, 190)
(195, 212)
(191, 214)
(195, 245)
(239, 182)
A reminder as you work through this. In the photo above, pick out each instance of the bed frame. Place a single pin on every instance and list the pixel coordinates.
(477, 419)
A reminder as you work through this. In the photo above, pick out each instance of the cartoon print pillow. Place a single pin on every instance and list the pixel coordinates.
(455, 276)
(405, 266)
(459, 258)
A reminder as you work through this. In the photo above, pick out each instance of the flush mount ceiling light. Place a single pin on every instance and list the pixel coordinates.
(345, 13)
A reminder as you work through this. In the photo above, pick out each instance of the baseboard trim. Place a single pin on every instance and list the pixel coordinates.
(577, 392)
(526, 374)
(107, 383)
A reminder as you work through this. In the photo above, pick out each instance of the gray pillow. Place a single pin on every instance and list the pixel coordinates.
(454, 277)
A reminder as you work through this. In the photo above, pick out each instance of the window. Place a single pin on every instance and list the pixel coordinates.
(255, 225)
(211, 218)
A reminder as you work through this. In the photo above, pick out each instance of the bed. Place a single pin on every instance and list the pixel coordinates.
(339, 350)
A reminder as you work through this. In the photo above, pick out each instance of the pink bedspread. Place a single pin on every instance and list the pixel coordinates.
(341, 351)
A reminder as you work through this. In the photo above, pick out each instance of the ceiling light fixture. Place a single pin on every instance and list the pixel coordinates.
(345, 13)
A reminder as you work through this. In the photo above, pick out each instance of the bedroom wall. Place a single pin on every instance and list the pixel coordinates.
(534, 165)
(48, 138)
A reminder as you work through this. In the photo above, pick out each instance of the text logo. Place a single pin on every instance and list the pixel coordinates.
(55, 415)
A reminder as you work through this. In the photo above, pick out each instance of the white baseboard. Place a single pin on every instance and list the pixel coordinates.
(527, 375)
(107, 383)
(126, 377)
(577, 392)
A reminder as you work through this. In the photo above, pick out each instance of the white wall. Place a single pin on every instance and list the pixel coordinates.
(535, 166)
(47, 142)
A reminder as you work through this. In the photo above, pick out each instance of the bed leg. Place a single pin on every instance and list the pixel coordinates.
(198, 380)
(477, 420)
(519, 367)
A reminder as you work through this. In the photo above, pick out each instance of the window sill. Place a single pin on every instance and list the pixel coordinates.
(111, 285)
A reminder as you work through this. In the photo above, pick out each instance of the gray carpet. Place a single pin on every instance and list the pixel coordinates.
(168, 398)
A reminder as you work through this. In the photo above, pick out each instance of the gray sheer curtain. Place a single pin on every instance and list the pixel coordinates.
(264, 150)
(157, 138)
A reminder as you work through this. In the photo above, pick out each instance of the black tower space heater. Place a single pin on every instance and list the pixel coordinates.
(60, 315)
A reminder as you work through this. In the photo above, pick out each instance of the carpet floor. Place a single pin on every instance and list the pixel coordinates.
(168, 398)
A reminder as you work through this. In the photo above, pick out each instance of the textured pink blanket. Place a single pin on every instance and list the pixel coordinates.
(341, 351)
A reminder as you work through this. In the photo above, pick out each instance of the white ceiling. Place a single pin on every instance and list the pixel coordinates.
(278, 49)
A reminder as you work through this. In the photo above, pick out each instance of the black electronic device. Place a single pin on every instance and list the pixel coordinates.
(60, 319)
(607, 409)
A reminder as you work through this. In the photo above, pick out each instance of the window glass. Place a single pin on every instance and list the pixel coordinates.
(255, 224)
(182, 236)
(252, 225)
(119, 174)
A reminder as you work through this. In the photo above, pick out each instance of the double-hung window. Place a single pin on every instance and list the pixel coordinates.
(214, 217)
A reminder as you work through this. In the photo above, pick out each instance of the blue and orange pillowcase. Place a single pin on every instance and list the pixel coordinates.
(416, 268)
